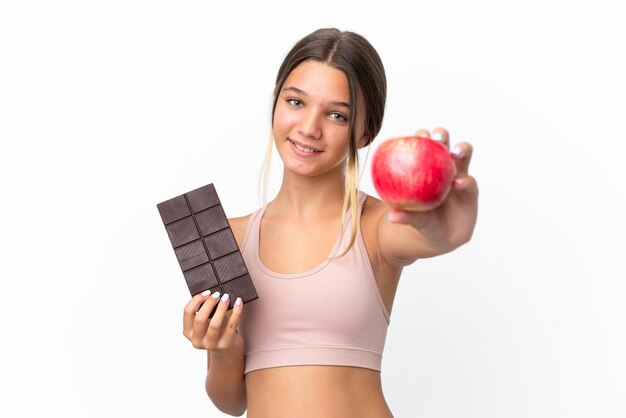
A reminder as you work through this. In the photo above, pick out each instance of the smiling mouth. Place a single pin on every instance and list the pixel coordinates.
(303, 148)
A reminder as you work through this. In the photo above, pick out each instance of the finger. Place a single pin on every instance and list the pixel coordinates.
(466, 185)
(201, 320)
(462, 154)
(189, 313)
(214, 329)
(207, 307)
(233, 322)
(425, 133)
(441, 135)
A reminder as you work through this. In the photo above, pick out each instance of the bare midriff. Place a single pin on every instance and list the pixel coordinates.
(315, 392)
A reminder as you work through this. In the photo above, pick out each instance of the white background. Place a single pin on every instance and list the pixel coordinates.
(107, 108)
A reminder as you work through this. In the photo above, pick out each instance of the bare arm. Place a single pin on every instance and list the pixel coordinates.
(218, 335)
(225, 383)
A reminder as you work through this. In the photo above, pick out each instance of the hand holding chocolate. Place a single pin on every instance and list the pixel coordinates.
(205, 246)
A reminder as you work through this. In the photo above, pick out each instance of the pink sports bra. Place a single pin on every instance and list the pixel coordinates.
(332, 314)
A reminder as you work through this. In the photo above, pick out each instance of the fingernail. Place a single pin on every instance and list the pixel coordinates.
(225, 297)
(206, 292)
(458, 181)
(456, 151)
(216, 295)
(437, 136)
(238, 302)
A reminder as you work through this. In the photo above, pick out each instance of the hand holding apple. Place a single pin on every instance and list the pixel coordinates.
(429, 188)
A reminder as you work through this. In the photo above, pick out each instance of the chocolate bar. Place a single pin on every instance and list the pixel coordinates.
(205, 246)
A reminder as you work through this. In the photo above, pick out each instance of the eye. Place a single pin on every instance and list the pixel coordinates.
(338, 117)
(295, 102)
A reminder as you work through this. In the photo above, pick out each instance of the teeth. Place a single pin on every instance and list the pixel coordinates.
(303, 149)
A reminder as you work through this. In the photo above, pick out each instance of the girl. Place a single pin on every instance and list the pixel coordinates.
(325, 258)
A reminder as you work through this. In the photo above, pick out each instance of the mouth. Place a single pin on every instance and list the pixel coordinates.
(303, 148)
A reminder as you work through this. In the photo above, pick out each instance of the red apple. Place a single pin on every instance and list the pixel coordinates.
(412, 173)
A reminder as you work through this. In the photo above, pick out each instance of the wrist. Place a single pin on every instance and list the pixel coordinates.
(226, 363)
(230, 355)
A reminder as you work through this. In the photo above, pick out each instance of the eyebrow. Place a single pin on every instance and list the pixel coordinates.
(302, 92)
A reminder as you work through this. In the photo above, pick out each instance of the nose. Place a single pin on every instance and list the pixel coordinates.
(310, 125)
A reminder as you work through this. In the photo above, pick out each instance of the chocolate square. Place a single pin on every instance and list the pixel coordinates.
(182, 232)
(203, 198)
(242, 287)
(191, 255)
(204, 244)
(220, 243)
(211, 220)
(230, 267)
(174, 209)
(200, 279)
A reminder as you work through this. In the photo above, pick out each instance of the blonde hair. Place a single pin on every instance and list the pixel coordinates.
(350, 195)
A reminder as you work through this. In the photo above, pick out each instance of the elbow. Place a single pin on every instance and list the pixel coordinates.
(235, 409)
(233, 412)
(231, 405)
(227, 392)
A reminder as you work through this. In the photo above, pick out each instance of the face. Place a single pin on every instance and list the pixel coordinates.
(311, 127)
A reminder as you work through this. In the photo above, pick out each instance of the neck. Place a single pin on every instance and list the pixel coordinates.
(310, 197)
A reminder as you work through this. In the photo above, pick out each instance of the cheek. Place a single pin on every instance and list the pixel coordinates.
(341, 137)
(283, 119)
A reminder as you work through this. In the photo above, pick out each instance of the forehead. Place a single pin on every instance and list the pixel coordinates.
(319, 80)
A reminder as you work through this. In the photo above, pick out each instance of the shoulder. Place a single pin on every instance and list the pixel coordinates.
(387, 275)
(371, 215)
(373, 209)
(239, 226)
